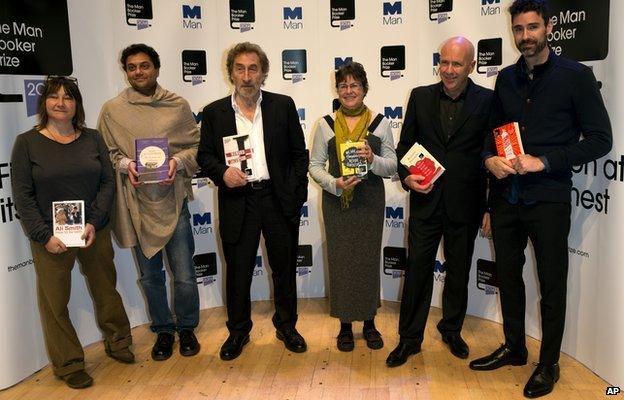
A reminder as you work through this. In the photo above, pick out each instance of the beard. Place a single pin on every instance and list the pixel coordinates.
(538, 46)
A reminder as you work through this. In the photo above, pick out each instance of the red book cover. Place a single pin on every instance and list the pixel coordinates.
(508, 141)
(419, 161)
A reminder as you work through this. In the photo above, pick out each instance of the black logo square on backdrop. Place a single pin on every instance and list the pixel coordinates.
(294, 62)
(392, 59)
(205, 264)
(394, 259)
(138, 10)
(193, 64)
(438, 7)
(35, 38)
(341, 10)
(241, 12)
(489, 54)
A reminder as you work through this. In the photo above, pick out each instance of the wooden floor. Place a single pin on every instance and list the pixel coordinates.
(267, 371)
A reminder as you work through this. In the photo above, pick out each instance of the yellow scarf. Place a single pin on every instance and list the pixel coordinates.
(343, 135)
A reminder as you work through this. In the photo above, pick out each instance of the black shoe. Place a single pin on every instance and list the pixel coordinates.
(189, 346)
(292, 340)
(458, 347)
(163, 348)
(345, 341)
(233, 346)
(373, 338)
(502, 356)
(399, 355)
(78, 380)
(542, 381)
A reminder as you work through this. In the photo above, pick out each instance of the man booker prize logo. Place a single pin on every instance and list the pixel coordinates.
(392, 62)
(394, 261)
(139, 13)
(342, 14)
(304, 259)
(580, 29)
(294, 65)
(489, 56)
(439, 10)
(194, 66)
(205, 268)
(242, 15)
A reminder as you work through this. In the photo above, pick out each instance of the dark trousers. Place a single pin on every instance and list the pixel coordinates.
(547, 225)
(53, 292)
(423, 239)
(263, 214)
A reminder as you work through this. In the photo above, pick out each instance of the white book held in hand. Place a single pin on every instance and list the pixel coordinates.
(68, 222)
(419, 161)
(238, 153)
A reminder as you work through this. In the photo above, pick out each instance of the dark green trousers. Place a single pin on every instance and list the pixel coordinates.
(54, 287)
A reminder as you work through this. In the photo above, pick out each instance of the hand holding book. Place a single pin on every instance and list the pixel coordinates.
(511, 157)
(423, 167)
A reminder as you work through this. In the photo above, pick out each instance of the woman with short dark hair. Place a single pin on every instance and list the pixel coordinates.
(62, 160)
(353, 202)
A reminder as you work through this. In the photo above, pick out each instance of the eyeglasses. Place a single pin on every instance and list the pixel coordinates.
(343, 87)
(61, 78)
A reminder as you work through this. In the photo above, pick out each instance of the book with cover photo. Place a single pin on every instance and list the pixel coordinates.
(350, 163)
(68, 223)
(508, 140)
(152, 159)
(238, 153)
(419, 161)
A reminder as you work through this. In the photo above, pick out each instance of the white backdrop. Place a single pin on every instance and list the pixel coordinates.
(99, 30)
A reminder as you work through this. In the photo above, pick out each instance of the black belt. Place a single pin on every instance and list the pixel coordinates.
(260, 185)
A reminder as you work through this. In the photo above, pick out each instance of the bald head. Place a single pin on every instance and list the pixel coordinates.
(460, 44)
(456, 63)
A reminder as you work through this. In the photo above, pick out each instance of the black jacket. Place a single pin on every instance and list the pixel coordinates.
(561, 103)
(462, 186)
(286, 156)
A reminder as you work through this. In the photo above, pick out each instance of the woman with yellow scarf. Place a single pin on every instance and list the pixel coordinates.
(352, 150)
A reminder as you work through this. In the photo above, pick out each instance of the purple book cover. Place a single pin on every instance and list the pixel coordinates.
(152, 159)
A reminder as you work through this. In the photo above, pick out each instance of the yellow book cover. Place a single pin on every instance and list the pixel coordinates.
(350, 163)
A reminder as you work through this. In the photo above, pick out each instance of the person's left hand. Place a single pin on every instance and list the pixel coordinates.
(366, 152)
(524, 163)
(89, 235)
(173, 167)
(486, 227)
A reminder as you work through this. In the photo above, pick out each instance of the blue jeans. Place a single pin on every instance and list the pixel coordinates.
(179, 249)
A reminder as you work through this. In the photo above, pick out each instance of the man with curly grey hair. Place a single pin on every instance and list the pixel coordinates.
(266, 200)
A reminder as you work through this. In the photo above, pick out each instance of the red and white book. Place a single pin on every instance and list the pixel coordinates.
(238, 153)
(508, 141)
(419, 161)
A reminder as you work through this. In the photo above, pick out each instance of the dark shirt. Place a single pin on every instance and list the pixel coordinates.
(554, 108)
(449, 110)
(44, 171)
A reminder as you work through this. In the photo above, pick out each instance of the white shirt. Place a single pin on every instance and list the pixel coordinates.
(256, 135)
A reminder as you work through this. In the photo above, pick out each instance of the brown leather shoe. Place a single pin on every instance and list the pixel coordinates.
(122, 355)
(78, 380)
